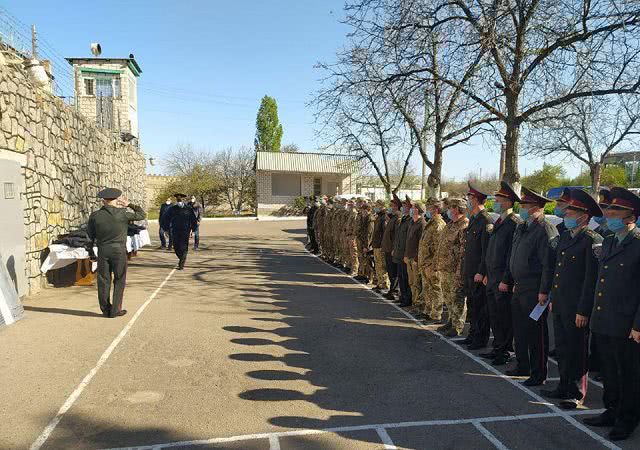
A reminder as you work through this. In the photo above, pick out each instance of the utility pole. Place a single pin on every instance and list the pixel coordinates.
(34, 43)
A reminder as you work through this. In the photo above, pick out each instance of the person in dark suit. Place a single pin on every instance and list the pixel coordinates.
(572, 297)
(399, 248)
(476, 239)
(615, 320)
(107, 228)
(182, 222)
(497, 286)
(530, 273)
(311, 235)
(163, 233)
(388, 243)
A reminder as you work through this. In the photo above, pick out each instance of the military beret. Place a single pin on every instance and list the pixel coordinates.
(507, 192)
(432, 201)
(481, 196)
(419, 206)
(604, 197)
(380, 202)
(530, 197)
(622, 198)
(109, 193)
(581, 200)
(396, 200)
(176, 195)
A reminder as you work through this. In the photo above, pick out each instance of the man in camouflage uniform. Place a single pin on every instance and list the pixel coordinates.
(431, 236)
(411, 255)
(376, 243)
(350, 236)
(318, 221)
(362, 239)
(327, 231)
(449, 258)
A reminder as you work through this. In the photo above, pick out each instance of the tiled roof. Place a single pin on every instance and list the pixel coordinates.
(306, 162)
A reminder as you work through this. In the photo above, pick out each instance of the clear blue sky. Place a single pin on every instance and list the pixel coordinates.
(207, 64)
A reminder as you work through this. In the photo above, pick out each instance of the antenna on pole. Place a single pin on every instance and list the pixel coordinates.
(34, 43)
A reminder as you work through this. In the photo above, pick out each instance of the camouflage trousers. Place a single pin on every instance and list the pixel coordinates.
(381, 269)
(415, 282)
(352, 251)
(453, 296)
(364, 268)
(432, 293)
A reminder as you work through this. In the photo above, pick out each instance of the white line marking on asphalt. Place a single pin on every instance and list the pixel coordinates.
(274, 442)
(386, 439)
(37, 444)
(383, 426)
(563, 414)
(490, 436)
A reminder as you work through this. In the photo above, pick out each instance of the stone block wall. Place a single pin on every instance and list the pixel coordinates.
(67, 160)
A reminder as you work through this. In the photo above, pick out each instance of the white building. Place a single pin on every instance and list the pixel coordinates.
(282, 177)
(106, 91)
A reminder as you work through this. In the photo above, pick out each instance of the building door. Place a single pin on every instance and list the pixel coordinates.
(104, 103)
(317, 187)
(12, 240)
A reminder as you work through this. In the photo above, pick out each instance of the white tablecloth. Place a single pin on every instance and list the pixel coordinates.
(61, 255)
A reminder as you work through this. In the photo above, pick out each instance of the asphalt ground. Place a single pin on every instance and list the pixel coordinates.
(259, 345)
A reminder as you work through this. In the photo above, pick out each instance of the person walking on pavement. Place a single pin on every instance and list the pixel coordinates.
(399, 248)
(392, 222)
(450, 258)
(164, 234)
(497, 285)
(531, 275)
(107, 229)
(431, 284)
(311, 234)
(476, 239)
(576, 268)
(615, 319)
(182, 223)
(198, 211)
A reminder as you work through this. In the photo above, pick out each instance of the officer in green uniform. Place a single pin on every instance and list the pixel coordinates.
(107, 230)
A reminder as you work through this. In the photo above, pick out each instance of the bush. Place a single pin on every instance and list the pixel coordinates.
(298, 205)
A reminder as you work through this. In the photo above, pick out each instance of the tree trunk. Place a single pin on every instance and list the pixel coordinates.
(435, 177)
(511, 137)
(595, 170)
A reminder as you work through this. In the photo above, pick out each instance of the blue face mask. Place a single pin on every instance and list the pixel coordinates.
(449, 215)
(600, 220)
(469, 205)
(616, 225)
(497, 208)
(558, 211)
(570, 223)
(428, 215)
(524, 213)
(390, 211)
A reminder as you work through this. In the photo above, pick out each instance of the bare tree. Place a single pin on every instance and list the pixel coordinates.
(587, 130)
(234, 169)
(184, 158)
(539, 53)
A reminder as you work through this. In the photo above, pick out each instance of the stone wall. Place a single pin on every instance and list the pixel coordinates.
(67, 160)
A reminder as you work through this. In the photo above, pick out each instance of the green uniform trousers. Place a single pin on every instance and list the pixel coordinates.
(112, 267)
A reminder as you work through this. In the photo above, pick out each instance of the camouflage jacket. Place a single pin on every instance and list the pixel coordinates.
(450, 254)
(352, 224)
(431, 236)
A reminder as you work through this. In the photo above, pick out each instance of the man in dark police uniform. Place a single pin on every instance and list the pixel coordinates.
(182, 222)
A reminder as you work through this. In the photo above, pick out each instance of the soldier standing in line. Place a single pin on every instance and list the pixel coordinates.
(450, 259)
(336, 229)
(431, 285)
(107, 228)
(318, 222)
(182, 223)
(615, 320)
(361, 237)
(328, 231)
(311, 233)
(350, 234)
(476, 239)
(604, 200)
(558, 210)
(572, 297)
(531, 275)
(388, 238)
(411, 254)
(376, 244)
(497, 284)
(399, 246)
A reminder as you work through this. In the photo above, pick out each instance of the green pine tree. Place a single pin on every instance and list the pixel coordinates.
(268, 127)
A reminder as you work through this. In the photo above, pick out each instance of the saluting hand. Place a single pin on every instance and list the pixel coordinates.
(635, 335)
(581, 321)
(485, 280)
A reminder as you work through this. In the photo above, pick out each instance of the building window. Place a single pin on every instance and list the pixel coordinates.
(88, 86)
(104, 87)
(317, 186)
(9, 191)
(284, 184)
(116, 87)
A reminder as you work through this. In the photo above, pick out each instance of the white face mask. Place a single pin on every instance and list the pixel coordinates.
(168, 202)
(193, 199)
(181, 204)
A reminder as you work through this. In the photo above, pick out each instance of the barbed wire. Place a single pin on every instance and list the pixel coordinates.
(16, 35)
